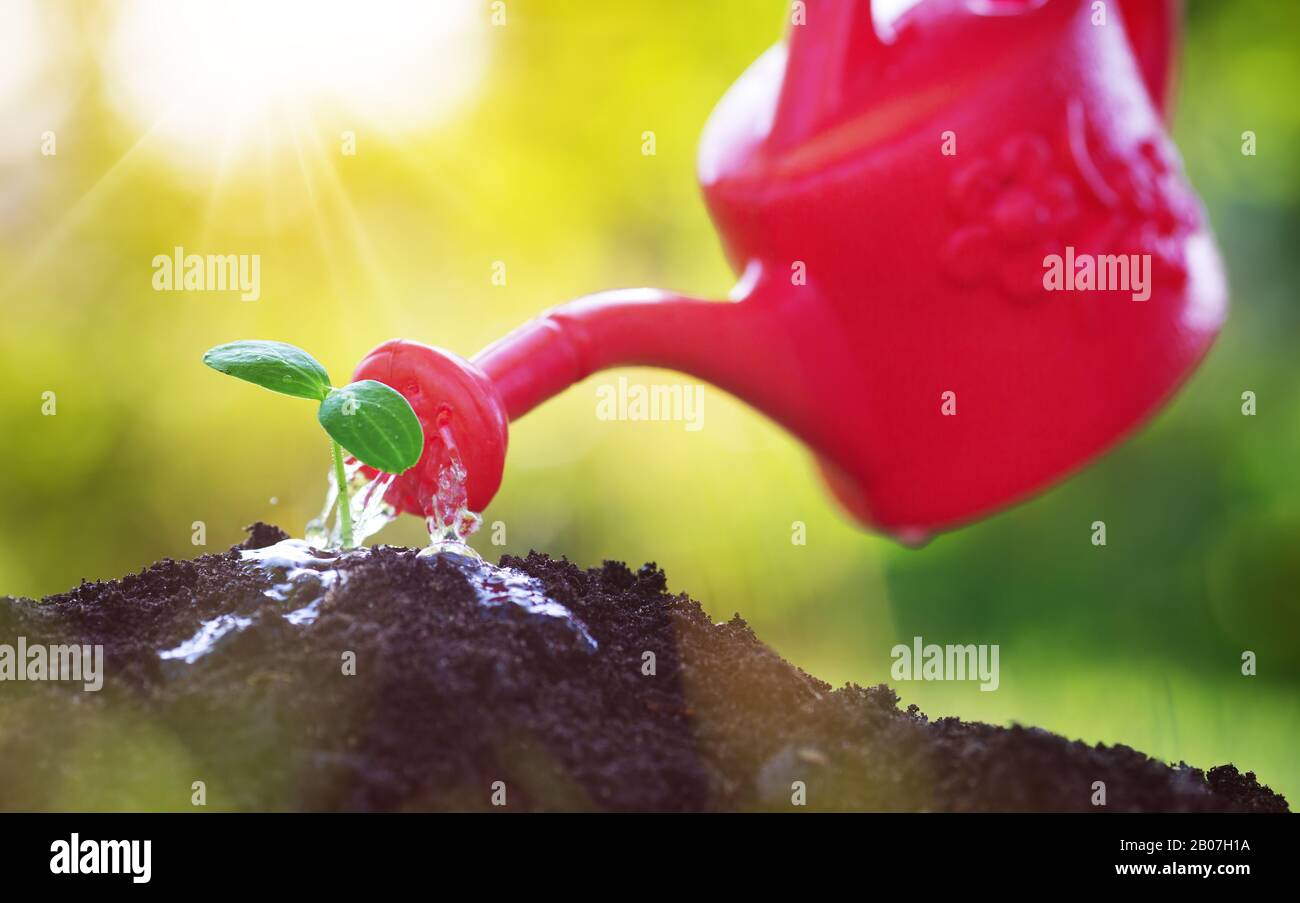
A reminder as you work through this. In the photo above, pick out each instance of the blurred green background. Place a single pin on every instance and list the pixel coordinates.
(528, 151)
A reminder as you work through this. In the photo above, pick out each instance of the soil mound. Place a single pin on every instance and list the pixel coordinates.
(447, 697)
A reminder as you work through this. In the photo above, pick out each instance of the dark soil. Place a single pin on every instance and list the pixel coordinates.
(450, 697)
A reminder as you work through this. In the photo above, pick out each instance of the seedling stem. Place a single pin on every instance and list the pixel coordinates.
(345, 507)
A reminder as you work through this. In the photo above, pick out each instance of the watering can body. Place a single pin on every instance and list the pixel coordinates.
(889, 195)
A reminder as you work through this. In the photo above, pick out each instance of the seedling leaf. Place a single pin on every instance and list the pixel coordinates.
(277, 366)
(376, 425)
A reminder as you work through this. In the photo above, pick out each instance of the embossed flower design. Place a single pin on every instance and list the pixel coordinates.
(1013, 208)
(1155, 208)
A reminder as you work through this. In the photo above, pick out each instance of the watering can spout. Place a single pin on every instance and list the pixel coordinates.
(725, 343)
(631, 327)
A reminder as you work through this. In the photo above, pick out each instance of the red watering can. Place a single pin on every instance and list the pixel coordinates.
(968, 263)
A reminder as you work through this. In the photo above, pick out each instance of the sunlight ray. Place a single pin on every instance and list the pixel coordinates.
(324, 240)
(75, 216)
(220, 179)
(362, 245)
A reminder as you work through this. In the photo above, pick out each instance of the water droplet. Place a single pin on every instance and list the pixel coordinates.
(913, 537)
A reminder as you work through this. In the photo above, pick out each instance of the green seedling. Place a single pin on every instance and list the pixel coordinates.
(369, 420)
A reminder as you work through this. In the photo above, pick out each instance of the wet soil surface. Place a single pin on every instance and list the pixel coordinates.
(454, 705)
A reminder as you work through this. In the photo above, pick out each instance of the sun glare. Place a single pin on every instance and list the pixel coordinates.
(33, 96)
(18, 42)
(215, 80)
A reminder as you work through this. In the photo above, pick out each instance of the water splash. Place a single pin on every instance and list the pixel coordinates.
(369, 512)
(303, 571)
(498, 587)
(304, 575)
(301, 576)
(205, 640)
(450, 521)
(451, 515)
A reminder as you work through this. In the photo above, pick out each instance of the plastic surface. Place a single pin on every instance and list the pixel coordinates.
(462, 416)
(879, 273)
